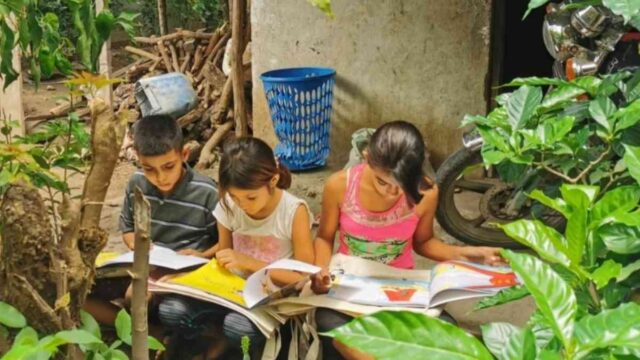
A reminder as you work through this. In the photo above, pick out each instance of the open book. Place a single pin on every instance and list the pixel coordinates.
(213, 283)
(158, 256)
(449, 281)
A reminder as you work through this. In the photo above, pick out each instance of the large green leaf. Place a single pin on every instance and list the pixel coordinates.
(11, 317)
(628, 116)
(90, 324)
(620, 200)
(576, 234)
(620, 238)
(522, 105)
(26, 336)
(494, 138)
(387, 334)
(556, 204)
(554, 130)
(536, 81)
(7, 40)
(579, 196)
(607, 271)
(545, 240)
(78, 336)
(619, 327)
(632, 159)
(504, 296)
(601, 110)
(508, 342)
(554, 297)
(626, 8)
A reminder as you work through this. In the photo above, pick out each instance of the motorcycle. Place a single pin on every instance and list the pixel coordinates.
(583, 40)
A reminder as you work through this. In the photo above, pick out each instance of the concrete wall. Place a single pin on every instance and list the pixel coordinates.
(424, 61)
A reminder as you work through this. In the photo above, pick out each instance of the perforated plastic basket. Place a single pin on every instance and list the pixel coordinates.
(300, 101)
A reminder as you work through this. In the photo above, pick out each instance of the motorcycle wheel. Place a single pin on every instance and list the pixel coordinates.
(460, 189)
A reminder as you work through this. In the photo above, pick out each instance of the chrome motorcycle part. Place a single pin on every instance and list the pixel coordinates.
(589, 21)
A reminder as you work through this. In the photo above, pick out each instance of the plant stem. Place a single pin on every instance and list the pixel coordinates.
(56, 236)
(581, 174)
(68, 142)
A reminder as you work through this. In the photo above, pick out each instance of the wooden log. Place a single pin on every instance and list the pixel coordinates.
(197, 59)
(174, 57)
(207, 156)
(185, 63)
(219, 46)
(222, 105)
(154, 65)
(191, 117)
(237, 46)
(140, 275)
(165, 56)
(81, 113)
(122, 72)
(141, 52)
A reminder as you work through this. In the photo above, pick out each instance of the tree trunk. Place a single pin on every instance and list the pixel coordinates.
(237, 47)
(162, 17)
(140, 274)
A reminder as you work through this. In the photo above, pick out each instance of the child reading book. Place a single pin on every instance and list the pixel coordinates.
(259, 222)
(181, 205)
(383, 210)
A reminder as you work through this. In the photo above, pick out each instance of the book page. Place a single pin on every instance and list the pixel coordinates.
(380, 291)
(216, 280)
(456, 280)
(257, 290)
(161, 257)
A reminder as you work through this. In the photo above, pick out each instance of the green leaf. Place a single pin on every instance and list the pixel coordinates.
(579, 196)
(77, 336)
(545, 240)
(9, 74)
(27, 336)
(118, 355)
(626, 8)
(537, 81)
(123, 326)
(386, 334)
(324, 6)
(18, 352)
(11, 317)
(607, 271)
(154, 344)
(619, 327)
(504, 296)
(508, 342)
(533, 4)
(628, 270)
(627, 117)
(491, 157)
(105, 22)
(620, 238)
(620, 200)
(562, 94)
(556, 204)
(522, 105)
(127, 21)
(601, 109)
(555, 299)
(576, 234)
(554, 130)
(90, 324)
(493, 138)
(632, 159)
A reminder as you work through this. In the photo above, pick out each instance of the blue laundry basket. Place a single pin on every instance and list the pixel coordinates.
(300, 101)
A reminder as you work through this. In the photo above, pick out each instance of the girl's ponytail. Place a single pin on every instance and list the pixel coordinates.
(285, 177)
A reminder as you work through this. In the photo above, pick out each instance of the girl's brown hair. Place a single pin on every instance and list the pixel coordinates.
(248, 163)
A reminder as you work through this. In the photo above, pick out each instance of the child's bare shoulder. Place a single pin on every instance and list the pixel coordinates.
(336, 184)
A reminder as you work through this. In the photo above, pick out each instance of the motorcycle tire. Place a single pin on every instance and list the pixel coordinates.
(448, 215)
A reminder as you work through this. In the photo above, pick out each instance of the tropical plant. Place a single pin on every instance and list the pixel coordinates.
(26, 343)
(37, 33)
(580, 132)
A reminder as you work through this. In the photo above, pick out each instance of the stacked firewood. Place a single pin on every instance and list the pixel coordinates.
(198, 55)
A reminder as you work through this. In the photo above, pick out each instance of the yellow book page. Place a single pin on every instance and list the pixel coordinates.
(215, 280)
(106, 256)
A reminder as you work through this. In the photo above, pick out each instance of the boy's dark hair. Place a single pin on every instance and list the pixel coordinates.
(249, 163)
(398, 147)
(156, 135)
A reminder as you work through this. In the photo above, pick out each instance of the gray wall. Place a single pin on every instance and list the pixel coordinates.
(424, 61)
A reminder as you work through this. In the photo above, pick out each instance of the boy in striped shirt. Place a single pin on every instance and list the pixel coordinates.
(182, 204)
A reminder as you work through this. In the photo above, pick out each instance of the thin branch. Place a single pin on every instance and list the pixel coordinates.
(582, 174)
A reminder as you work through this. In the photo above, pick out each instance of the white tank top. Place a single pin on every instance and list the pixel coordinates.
(267, 239)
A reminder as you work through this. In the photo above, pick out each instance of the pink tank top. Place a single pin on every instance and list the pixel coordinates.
(386, 236)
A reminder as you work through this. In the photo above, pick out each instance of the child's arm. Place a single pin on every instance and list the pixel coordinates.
(129, 239)
(302, 247)
(427, 245)
(329, 218)
(209, 253)
(231, 259)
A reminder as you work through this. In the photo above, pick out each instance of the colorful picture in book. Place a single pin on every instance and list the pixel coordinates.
(475, 276)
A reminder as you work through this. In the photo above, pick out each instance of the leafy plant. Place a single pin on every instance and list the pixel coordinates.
(245, 343)
(26, 344)
(579, 132)
(37, 33)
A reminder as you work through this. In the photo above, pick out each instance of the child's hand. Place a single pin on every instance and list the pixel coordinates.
(483, 255)
(231, 259)
(321, 282)
(192, 252)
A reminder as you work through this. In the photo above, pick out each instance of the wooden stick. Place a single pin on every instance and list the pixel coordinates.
(181, 34)
(174, 57)
(206, 156)
(223, 103)
(185, 63)
(219, 46)
(191, 117)
(155, 65)
(237, 46)
(140, 270)
(123, 70)
(162, 16)
(141, 52)
(165, 56)
(197, 58)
